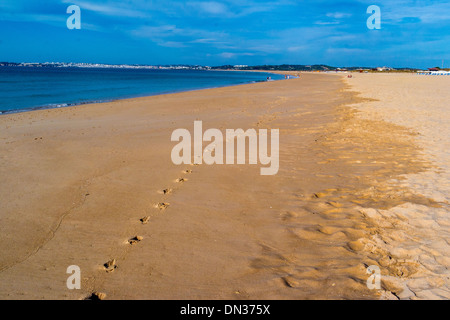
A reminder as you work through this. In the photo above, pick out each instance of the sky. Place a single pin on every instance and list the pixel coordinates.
(414, 33)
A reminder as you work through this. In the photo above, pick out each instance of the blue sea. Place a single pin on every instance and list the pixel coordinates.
(28, 88)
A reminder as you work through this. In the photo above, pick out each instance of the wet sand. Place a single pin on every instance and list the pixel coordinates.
(77, 181)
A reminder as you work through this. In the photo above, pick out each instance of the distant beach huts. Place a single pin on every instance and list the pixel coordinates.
(434, 73)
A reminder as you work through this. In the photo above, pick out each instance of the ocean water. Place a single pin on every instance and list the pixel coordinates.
(25, 88)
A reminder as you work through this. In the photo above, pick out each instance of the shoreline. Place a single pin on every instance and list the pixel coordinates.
(74, 104)
(294, 74)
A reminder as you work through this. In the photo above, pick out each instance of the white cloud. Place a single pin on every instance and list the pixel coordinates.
(210, 7)
(230, 55)
(173, 36)
(338, 15)
(227, 55)
(297, 48)
(116, 9)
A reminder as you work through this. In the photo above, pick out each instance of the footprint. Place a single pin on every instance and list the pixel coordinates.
(181, 180)
(187, 171)
(319, 195)
(167, 191)
(97, 296)
(145, 220)
(135, 240)
(110, 266)
(162, 205)
(328, 230)
(334, 204)
(290, 282)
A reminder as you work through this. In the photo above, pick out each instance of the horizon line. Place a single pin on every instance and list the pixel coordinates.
(216, 66)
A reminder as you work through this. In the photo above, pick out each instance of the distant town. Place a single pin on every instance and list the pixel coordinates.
(283, 67)
(98, 65)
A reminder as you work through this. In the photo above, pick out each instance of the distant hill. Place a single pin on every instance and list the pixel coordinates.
(283, 67)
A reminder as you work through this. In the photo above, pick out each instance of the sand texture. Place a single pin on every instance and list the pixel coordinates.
(363, 180)
(415, 234)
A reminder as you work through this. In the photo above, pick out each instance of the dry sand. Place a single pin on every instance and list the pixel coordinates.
(354, 189)
(416, 235)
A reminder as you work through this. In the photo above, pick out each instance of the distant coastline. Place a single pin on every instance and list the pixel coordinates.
(281, 67)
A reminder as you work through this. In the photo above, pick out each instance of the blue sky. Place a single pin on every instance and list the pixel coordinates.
(413, 33)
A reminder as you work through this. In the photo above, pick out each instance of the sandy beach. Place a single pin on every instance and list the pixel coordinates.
(363, 180)
(416, 235)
